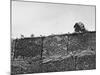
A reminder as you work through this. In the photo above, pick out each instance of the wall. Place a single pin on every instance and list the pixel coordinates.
(64, 44)
(56, 45)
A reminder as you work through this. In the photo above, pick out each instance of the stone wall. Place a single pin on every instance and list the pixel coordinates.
(55, 45)
(60, 45)
(28, 47)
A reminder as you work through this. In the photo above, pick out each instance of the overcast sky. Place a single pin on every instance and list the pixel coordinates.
(46, 18)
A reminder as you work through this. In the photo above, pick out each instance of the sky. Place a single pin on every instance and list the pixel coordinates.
(47, 18)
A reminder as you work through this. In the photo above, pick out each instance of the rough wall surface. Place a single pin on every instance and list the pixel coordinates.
(57, 45)
(54, 53)
(28, 47)
(82, 41)
(65, 44)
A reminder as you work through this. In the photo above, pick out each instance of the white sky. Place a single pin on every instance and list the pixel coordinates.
(46, 18)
